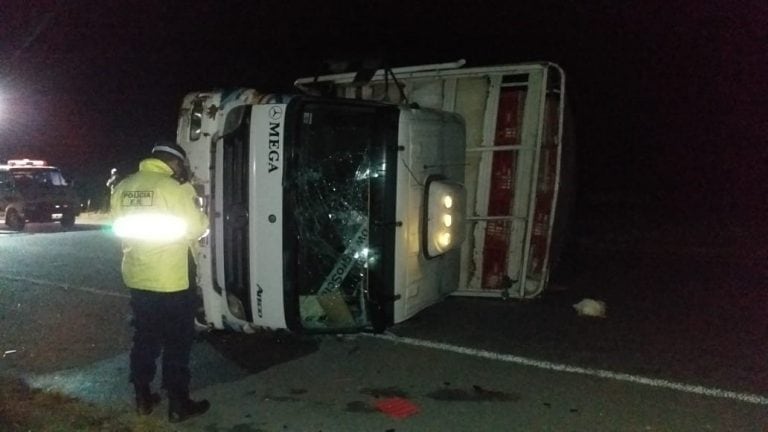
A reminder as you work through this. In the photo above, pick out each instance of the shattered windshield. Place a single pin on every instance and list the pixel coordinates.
(37, 177)
(331, 211)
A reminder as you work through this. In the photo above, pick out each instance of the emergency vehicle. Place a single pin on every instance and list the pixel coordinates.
(358, 203)
(33, 191)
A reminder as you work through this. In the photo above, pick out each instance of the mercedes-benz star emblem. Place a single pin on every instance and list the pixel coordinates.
(275, 112)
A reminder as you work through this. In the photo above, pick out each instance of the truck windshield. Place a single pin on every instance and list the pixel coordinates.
(31, 177)
(338, 165)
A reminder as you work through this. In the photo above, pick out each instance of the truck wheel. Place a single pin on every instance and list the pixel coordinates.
(14, 221)
(68, 221)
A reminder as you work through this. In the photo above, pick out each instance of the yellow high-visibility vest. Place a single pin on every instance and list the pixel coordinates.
(158, 221)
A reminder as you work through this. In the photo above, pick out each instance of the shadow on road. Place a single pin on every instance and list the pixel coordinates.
(257, 352)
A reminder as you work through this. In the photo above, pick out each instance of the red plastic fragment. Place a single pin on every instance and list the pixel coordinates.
(396, 407)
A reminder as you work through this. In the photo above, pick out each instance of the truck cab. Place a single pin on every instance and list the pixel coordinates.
(327, 214)
(33, 191)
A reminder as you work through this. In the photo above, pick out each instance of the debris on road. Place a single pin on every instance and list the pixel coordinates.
(397, 408)
(590, 307)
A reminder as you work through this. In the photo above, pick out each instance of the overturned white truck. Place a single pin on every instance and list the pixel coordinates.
(356, 204)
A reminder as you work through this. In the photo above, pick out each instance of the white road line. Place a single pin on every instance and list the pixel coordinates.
(65, 286)
(618, 376)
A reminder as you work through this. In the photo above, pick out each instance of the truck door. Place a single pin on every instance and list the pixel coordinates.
(430, 208)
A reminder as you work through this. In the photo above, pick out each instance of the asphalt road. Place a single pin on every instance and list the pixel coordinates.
(682, 348)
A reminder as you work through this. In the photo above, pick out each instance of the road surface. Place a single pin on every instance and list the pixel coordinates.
(690, 362)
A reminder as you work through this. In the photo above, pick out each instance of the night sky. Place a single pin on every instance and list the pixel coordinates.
(669, 99)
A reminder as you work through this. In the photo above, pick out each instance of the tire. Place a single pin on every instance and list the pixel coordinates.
(68, 221)
(14, 220)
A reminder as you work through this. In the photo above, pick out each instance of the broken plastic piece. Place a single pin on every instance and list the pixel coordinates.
(397, 407)
(590, 307)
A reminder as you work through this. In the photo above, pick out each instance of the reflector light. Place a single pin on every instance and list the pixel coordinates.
(160, 228)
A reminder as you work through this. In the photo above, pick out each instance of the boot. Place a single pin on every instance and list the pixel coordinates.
(145, 399)
(180, 409)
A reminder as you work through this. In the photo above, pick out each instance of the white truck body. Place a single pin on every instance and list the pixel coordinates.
(327, 212)
(515, 164)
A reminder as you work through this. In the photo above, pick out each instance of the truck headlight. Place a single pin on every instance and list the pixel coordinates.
(196, 120)
(443, 228)
(236, 307)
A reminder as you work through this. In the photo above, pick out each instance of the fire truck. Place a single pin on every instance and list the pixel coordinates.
(33, 191)
(358, 202)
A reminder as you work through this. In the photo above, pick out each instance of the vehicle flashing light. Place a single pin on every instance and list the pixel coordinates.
(26, 162)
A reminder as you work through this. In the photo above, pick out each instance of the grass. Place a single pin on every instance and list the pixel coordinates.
(23, 409)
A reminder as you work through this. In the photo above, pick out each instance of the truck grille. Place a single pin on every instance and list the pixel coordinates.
(235, 211)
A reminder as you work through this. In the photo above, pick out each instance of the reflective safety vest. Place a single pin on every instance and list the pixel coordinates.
(158, 221)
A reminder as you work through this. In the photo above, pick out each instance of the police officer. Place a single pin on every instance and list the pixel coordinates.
(155, 214)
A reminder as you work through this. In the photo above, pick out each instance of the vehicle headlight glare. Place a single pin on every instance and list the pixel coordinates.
(448, 201)
(444, 239)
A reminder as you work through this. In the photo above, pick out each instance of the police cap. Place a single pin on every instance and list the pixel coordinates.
(170, 148)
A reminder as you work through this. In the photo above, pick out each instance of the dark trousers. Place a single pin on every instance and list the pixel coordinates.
(163, 323)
